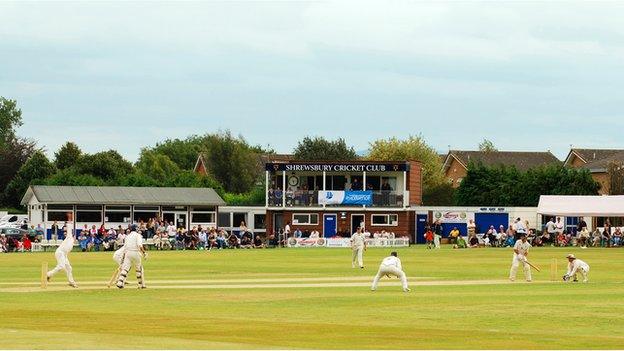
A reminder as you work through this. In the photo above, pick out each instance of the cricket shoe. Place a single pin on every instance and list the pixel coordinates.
(407, 290)
(142, 287)
(73, 285)
(120, 286)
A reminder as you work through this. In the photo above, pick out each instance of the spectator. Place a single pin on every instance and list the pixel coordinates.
(298, 233)
(233, 241)
(606, 236)
(558, 228)
(461, 242)
(551, 228)
(242, 229)
(617, 237)
(583, 237)
(437, 233)
(287, 230)
(386, 189)
(246, 241)
(4, 245)
(39, 233)
(26, 244)
(221, 240)
(429, 237)
(54, 230)
(596, 237)
(562, 239)
(519, 228)
(203, 240)
(32, 232)
(501, 235)
(315, 234)
(82, 240)
(472, 228)
(490, 235)
(258, 244)
(453, 235)
(473, 241)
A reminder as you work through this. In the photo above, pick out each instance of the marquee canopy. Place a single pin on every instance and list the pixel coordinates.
(573, 206)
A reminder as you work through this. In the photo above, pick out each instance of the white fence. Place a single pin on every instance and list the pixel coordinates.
(346, 242)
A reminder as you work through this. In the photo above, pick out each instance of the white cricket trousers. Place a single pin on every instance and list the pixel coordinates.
(436, 241)
(515, 262)
(62, 264)
(357, 255)
(131, 258)
(390, 270)
(583, 273)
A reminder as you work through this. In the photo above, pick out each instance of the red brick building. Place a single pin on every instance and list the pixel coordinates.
(337, 197)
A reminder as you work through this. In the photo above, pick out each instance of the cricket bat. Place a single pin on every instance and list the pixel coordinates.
(114, 277)
(534, 267)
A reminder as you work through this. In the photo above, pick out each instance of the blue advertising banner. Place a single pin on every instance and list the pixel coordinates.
(346, 197)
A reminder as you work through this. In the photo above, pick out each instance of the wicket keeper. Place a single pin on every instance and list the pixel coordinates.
(575, 265)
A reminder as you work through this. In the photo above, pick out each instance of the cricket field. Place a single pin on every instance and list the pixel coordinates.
(313, 299)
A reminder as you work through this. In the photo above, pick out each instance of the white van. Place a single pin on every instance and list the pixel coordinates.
(13, 220)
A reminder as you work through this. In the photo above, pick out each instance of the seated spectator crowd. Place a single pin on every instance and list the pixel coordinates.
(159, 234)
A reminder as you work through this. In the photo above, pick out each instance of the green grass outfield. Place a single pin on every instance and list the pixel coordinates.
(312, 298)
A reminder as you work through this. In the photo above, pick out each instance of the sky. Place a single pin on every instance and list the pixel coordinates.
(529, 76)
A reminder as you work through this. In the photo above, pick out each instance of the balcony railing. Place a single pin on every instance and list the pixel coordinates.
(304, 198)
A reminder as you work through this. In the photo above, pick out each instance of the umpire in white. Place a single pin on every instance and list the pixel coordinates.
(391, 265)
(133, 251)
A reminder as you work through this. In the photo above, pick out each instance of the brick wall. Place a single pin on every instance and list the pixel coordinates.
(405, 222)
(414, 183)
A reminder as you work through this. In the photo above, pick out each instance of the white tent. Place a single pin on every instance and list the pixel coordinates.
(576, 206)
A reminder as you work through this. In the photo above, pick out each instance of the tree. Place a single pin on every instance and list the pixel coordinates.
(10, 118)
(412, 148)
(321, 149)
(107, 165)
(183, 152)
(156, 166)
(439, 195)
(68, 155)
(487, 146)
(615, 174)
(506, 186)
(70, 176)
(35, 170)
(13, 154)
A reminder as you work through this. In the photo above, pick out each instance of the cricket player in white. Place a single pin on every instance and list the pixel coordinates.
(358, 245)
(391, 265)
(62, 262)
(521, 251)
(133, 251)
(575, 265)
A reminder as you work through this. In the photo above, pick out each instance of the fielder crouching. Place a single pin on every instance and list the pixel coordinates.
(133, 251)
(576, 266)
(391, 265)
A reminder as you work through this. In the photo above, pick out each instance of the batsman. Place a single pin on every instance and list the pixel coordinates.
(134, 250)
(521, 251)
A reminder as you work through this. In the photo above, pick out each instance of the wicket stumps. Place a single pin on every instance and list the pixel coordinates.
(554, 269)
(44, 275)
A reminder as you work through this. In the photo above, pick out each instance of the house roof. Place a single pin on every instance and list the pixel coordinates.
(591, 155)
(522, 160)
(601, 165)
(261, 160)
(118, 195)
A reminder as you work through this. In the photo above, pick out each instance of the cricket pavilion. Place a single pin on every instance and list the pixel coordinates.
(335, 198)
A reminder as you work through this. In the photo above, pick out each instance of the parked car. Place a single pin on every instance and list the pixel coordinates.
(13, 220)
(13, 232)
